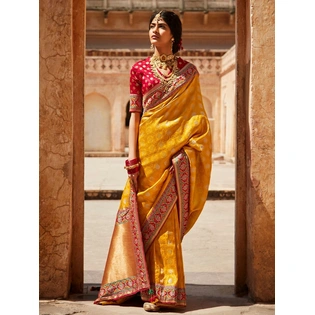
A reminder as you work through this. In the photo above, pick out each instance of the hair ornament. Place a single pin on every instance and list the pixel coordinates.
(158, 17)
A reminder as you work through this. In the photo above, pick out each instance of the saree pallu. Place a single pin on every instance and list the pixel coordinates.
(145, 253)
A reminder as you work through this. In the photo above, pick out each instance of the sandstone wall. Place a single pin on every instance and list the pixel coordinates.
(261, 154)
(255, 190)
(61, 168)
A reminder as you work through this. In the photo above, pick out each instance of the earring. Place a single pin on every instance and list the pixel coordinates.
(152, 47)
(173, 40)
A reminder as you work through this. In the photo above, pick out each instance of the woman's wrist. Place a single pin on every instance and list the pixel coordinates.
(132, 165)
(131, 161)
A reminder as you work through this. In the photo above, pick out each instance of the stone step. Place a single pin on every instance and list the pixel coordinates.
(116, 194)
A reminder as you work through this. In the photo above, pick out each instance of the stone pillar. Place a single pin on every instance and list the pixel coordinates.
(242, 91)
(261, 160)
(61, 150)
(77, 253)
(255, 191)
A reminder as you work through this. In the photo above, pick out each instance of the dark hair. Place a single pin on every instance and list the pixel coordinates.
(175, 24)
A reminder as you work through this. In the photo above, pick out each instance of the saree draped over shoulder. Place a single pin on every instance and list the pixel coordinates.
(174, 146)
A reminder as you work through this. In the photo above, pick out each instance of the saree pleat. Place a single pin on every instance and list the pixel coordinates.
(174, 146)
(125, 271)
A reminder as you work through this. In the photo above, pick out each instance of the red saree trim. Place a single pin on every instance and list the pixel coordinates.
(177, 189)
(157, 94)
(159, 214)
(182, 173)
(167, 294)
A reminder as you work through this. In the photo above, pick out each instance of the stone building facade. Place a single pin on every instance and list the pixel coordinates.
(107, 96)
(61, 169)
(117, 36)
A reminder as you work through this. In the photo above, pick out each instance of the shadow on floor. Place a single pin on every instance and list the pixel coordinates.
(198, 297)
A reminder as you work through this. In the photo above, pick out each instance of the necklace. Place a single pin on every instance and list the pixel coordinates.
(164, 61)
(159, 62)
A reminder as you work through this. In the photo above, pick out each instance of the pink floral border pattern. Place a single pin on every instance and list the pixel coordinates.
(167, 294)
(182, 171)
(156, 95)
(176, 190)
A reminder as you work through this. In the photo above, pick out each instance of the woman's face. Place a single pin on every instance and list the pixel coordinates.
(160, 34)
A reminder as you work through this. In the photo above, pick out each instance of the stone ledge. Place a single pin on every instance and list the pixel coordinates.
(105, 154)
(116, 195)
(221, 195)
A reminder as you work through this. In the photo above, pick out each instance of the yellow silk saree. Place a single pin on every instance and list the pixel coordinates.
(174, 146)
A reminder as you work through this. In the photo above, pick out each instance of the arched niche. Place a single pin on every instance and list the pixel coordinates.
(97, 123)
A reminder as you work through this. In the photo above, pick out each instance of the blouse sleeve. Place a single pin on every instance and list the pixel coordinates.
(135, 90)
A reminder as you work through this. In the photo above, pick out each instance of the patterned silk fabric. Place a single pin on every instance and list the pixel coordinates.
(174, 145)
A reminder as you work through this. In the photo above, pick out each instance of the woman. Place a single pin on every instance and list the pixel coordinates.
(169, 167)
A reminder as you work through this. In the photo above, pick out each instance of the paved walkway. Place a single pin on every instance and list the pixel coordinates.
(109, 174)
(197, 305)
(208, 250)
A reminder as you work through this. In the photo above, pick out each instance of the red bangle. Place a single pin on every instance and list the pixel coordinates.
(131, 162)
(134, 170)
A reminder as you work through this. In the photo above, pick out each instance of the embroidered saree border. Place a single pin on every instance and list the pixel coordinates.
(155, 95)
(159, 214)
(181, 167)
(142, 272)
(167, 294)
(177, 189)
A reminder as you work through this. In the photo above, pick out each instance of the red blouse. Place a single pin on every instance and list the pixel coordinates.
(142, 79)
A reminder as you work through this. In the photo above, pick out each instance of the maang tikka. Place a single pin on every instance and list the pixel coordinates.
(158, 17)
